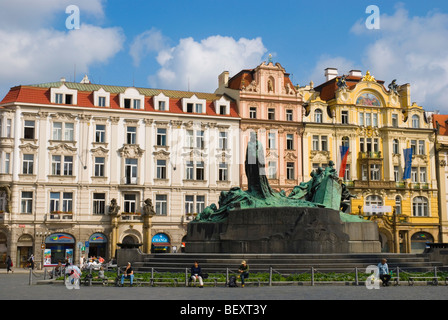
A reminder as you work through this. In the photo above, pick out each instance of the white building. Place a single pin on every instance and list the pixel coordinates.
(68, 149)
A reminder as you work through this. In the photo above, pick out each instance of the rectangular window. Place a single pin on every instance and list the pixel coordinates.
(161, 136)
(28, 132)
(361, 119)
(290, 141)
(200, 203)
(315, 143)
(161, 169)
(272, 141)
(222, 109)
(422, 175)
(396, 173)
(347, 172)
(8, 128)
(272, 170)
(131, 171)
(414, 147)
(375, 120)
(56, 165)
(198, 107)
(324, 143)
(362, 144)
(190, 107)
(200, 139)
(375, 172)
(344, 117)
(67, 202)
(189, 204)
(421, 147)
(131, 135)
(130, 203)
(253, 113)
(28, 164)
(222, 140)
(414, 174)
(189, 170)
(189, 139)
(68, 131)
(161, 204)
(136, 104)
(200, 174)
(394, 120)
(68, 99)
(99, 203)
(26, 202)
(271, 114)
(100, 133)
(55, 198)
(290, 170)
(99, 166)
(368, 119)
(59, 98)
(289, 115)
(57, 131)
(127, 103)
(161, 105)
(223, 171)
(101, 101)
(68, 165)
(7, 162)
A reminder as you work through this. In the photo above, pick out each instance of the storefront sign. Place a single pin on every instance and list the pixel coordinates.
(98, 238)
(160, 239)
(59, 238)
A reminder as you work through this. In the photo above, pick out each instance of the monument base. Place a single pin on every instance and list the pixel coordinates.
(283, 230)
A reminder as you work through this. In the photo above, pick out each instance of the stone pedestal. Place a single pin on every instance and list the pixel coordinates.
(283, 230)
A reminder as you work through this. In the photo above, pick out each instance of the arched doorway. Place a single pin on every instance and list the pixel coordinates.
(160, 243)
(419, 241)
(98, 245)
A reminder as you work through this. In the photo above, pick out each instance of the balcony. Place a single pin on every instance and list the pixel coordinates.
(60, 216)
(131, 216)
(370, 155)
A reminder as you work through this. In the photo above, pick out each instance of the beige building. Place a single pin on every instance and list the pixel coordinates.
(70, 150)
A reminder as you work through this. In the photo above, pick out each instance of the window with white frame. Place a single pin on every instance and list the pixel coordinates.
(398, 205)
(99, 166)
(62, 165)
(272, 170)
(28, 163)
(63, 131)
(189, 204)
(56, 205)
(318, 116)
(222, 143)
(222, 106)
(415, 121)
(272, 140)
(420, 207)
(131, 135)
(289, 115)
(200, 142)
(99, 203)
(131, 166)
(290, 141)
(161, 204)
(395, 147)
(194, 170)
(26, 202)
(161, 169)
(193, 104)
(100, 133)
(290, 175)
(101, 98)
(64, 95)
(29, 129)
(161, 137)
(344, 117)
(131, 99)
(130, 203)
(161, 102)
(253, 112)
(223, 171)
(189, 139)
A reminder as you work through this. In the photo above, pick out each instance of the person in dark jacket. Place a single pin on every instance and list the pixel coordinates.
(244, 272)
(9, 265)
(196, 274)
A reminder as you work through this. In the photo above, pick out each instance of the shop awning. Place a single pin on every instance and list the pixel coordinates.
(161, 244)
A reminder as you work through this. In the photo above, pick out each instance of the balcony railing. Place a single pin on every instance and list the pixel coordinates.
(370, 155)
(131, 216)
(60, 215)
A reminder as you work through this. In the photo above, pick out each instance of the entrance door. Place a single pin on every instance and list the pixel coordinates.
(419, 241)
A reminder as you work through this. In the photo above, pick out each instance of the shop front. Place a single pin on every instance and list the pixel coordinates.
(58, 247)
(24, 249)
(419, 241)
(3, 250)
(98, 245)
(160, 243)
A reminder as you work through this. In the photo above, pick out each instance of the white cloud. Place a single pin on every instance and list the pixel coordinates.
(149, 41)
(412, 50)
(33, 49)
(196, 65)
(325, 61)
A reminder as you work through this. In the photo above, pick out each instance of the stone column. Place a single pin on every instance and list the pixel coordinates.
(147, 226)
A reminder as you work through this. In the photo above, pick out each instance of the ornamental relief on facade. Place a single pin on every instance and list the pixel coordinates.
(131, 151)
(62, 149)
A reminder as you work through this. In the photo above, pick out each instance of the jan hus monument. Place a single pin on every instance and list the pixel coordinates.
(261, 220)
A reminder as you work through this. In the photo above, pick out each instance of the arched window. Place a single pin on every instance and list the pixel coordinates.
(415, 121)
(420, 207)
(318, 116)
(395, 147)
(398, 205)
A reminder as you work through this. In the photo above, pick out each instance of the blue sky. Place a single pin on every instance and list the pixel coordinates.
(185, 44)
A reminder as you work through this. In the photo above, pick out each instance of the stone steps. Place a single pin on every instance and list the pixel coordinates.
(286, 263)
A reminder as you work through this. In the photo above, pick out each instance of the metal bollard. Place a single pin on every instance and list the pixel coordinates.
(312, 276)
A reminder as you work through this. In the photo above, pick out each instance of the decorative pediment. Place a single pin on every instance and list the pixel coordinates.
(161, 154)
(63, 116)
(28, 147)
(62, 148)
(194, 153)
(131, 151)
(290, 156)
(99, 151)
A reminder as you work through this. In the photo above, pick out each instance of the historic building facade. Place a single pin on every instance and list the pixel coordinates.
(376, 124)
(269, 106)
(72, 151)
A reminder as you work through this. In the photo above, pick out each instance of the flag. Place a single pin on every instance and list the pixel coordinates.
(344, 155)
(407, 163)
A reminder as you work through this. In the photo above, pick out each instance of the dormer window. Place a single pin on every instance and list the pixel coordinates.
(161, 102)
(101, 98)
(64, 95)
(132, 99)
(222, 106)
(193, 104)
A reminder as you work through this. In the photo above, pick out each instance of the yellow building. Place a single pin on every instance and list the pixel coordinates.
(377, 124)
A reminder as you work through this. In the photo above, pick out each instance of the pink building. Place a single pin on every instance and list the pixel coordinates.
(269, 105)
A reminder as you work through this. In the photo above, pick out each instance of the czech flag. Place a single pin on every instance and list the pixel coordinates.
(344, 155)
(407, 163)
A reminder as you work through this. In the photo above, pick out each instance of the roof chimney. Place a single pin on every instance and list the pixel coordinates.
(355, 73)
(331, 73)
(223, 79)
(63, 79)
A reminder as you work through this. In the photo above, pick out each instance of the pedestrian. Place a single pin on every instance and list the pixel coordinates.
(244, 272)
(31, 261)
(383, 271)
(128, 274)
(9, 265)
(196, 274)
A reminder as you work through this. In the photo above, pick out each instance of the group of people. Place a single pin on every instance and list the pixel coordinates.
(196, 273)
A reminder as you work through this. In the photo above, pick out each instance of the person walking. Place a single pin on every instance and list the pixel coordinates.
(9, 265)
(244, 272)
(31, 261)
(196, 274)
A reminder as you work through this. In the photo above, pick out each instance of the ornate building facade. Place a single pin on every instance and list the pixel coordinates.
(376, 124)
(72, 151)
(269, 105)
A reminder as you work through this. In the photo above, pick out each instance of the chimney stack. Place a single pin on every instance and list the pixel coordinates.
(330, 73)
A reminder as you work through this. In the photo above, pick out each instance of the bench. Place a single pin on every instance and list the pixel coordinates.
(152, 281)
(435, 280)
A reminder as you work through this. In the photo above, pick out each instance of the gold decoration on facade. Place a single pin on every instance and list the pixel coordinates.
(368, 77)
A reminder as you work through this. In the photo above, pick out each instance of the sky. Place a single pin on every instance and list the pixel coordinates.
(186, 44)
